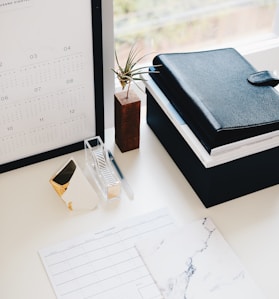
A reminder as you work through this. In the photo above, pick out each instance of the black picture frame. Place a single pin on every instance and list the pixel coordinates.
(97, 35)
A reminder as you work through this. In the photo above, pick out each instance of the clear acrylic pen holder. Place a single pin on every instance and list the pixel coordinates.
(101, 169)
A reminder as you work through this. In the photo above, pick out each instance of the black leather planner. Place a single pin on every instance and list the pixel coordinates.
(212, 92)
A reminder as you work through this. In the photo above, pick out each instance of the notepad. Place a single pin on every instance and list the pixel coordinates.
(195, 262)
(105, 264)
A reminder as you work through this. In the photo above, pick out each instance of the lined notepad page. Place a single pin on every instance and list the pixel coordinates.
(105, 264)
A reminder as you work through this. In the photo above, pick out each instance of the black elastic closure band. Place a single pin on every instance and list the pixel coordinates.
(264, 78)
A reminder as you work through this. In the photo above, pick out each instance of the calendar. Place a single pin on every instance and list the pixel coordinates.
(51, 96)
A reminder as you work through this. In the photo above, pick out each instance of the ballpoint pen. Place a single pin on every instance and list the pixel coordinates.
(124, 182)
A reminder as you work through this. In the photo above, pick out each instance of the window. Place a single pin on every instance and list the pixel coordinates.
(180, 25)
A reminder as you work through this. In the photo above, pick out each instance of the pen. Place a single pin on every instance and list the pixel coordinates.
(125, 184)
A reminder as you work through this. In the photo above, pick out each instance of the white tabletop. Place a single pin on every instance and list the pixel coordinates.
(32, 216)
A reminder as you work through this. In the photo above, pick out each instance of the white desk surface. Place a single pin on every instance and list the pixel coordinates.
(32, 216)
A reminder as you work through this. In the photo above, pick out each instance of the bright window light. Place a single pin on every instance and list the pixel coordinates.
(188, 25)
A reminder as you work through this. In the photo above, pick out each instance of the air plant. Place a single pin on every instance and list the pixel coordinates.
(128, 74)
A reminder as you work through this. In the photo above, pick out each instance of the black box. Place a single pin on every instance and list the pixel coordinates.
(214, 183)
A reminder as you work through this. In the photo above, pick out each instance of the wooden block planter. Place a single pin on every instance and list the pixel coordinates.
(127, 120)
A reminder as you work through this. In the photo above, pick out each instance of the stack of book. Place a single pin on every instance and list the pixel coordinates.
(218, 117)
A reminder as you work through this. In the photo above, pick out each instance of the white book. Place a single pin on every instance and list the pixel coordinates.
(218, 155)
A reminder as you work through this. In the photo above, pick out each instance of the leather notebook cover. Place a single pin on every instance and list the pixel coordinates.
(211, 91)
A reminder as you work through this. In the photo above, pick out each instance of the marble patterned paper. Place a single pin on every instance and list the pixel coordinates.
(195, 262)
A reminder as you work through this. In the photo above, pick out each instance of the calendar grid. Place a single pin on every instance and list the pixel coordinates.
(47, 82)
